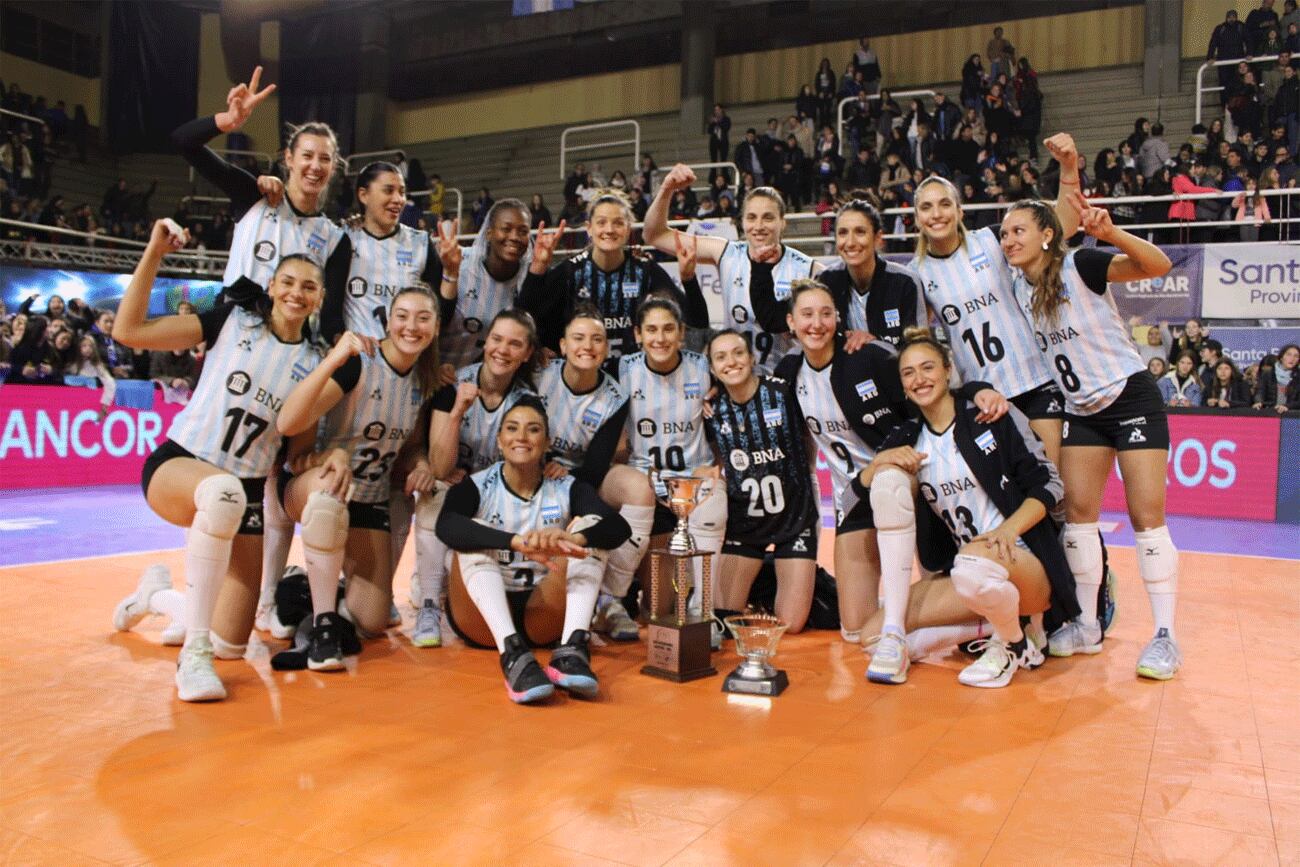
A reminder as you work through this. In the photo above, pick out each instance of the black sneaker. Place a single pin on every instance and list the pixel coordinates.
(570, 666)
(325, 646)
(525, 682)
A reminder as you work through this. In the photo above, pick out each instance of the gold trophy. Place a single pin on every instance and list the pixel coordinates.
(678, 644)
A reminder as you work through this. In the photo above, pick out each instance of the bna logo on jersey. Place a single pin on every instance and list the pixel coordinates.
(692, 389)
(772, 417)
(591, 418)
(357, 287)
(740, 314)
(316, 243)
(299, 372)
(985, 442)
(739, 460)
(891, 318)
(551, 514)
(374, 431)
(646, 427)
(405, 257)
(264, 251)
(950, 314)
(866, 389)
(238, 382)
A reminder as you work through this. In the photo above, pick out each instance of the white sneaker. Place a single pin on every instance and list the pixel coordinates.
(428, 626)
(998, 664)
(1074, 637)
(889, 658)
(614, 621)
(1161, 658)
(135, 607)
(173, 634)
(196, 680)
(277, 629)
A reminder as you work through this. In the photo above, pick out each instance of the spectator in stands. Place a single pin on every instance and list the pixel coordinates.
(65, 350)
(1001, 54)
(618, 180)
(997, 115)
(577, 178)
(541, 213)
(1157, 367)
(1290, 15)
(639, 204)
(482, 205)
(117, 356)
(417, 182)
(1191, 339)
(719, 134)
(646, 176)
(1029, 99)
(1187, 180)
(972, 82)
(1211, 352)
(1181, 386)
(1244, 106)
(864, 171)
(790, 185)
(805, 104)
(16, 163)
(1226, 389)
(1251, 210)
(824, 88)
(176, 370)
(1154, 151)
(1291, 39)
(849, 82)
(1286, 107)
(1258, 23)
(1278, 385)
(33, 360)
(887, 114)
(747, 157)
(867, 65)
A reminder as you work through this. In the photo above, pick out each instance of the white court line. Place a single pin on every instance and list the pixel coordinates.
(89, 557)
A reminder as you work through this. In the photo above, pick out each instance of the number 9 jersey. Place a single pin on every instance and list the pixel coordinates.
(248, 372)
(379, 409)
(665, 424)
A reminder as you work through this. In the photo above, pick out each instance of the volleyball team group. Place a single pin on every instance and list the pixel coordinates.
(521, 416)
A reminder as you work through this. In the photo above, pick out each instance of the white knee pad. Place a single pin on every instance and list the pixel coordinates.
(324, 522)
(428, 507)
(710, 516)
(221, 503)
(589, 569)
(223, 649)
(892, 503)
(1083, 552)
(978, 580)
(1157, 560)
(472, 562)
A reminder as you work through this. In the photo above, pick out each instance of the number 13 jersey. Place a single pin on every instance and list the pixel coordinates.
(248, 372)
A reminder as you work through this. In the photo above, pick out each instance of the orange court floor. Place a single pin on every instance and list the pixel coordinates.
(417, 757)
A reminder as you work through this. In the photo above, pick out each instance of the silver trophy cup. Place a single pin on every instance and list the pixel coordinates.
(756, 638)
(684, 494)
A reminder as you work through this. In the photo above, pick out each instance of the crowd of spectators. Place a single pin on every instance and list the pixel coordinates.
(70, 343)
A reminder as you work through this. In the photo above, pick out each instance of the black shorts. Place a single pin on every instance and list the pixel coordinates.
(361, 516)
(856, 516)
(517, 600)
(1045, 401)
(801, 546)
(1135, 420)
(665, 520)
(252, 522)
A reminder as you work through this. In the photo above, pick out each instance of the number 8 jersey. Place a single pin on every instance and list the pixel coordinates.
(248, 372)
(378, 411)
(971, 291)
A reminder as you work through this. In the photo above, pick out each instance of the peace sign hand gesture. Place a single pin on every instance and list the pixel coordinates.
(544, 246)
(449, 250)
(1094, 221)
(241, 101)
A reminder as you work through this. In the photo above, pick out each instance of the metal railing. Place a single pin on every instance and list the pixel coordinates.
(698, 168)
(635, 141)
(446, 191)
(839, 109)
(18, 114)
(1201, 89)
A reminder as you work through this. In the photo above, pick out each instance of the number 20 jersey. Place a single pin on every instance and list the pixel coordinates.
(248, 372)
(372, 421)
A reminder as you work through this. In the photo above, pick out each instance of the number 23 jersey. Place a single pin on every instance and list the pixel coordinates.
(248, 372)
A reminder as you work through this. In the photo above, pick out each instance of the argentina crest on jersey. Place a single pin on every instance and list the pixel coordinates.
(891, 317)
(692, 389)
(405, 257)
(591, 418)
(866, 389)
(781, 290)
(316, 243)
(986, 443)
(979, 261)
(772, 417)
(551, 514)
(299, 372)
(631, 288)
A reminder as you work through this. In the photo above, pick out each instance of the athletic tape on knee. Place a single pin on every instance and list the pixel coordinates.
(220, 502)
(324, 522)
(892, 503)
(1083, 552)
(223, 649)
(1157, 560)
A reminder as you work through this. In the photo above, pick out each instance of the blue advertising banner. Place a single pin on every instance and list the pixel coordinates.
(98, 289)
(1245, 346)
(1174, 297)
(1288, 475)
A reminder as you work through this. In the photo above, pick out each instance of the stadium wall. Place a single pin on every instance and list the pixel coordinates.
(214, 83)
(53, 84)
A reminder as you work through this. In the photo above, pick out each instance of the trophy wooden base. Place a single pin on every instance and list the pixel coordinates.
(774, 685)
(679, 652)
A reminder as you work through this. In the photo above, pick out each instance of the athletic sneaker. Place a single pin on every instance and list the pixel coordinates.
(173, 634)
(525, 681)
(1106, 605)
(1074, 637)
(1037, 636)
(889, 658)
(196, 680)
(428, 626)
(135, 607)
(570, 666)
(613, 620)
(325, 644)
(998, 663)
(1161, 659)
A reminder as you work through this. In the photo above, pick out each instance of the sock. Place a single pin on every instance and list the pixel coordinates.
(922, 642)
(324, 543)
(582, 588)
(1158, 566)
(430, 565)
(1083, 552)
(219, 502)
(169, 603)
(277, 536)
(708, 525)
(894, 508)
(624, 560)
(483, 583)
(983, 586)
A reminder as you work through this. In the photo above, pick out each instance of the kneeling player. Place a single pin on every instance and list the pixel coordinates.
(507, 524)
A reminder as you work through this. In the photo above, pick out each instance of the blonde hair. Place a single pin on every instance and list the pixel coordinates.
(611, 196)
(923, 243)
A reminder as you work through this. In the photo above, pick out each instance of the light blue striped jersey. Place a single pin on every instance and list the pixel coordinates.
(845, 451)
(247, 373)
(479, 428)
(734, 272)
(381, 267)
(1089, 347)
(266, 234)
(951, 489)
(503, 509)
(372, 421)
(575, 418)
(971, 291)
(479, 297)
(665, 424)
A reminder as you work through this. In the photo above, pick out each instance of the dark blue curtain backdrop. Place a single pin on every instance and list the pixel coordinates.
(318, 74)
(153, 74)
